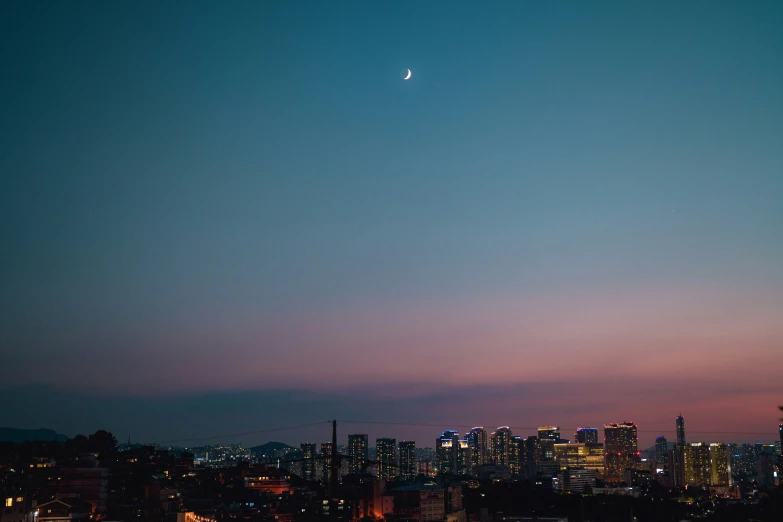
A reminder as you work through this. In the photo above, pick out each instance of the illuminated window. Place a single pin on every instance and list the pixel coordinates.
(9, 502)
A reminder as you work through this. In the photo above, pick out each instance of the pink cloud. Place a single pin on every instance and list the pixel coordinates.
(720, 336)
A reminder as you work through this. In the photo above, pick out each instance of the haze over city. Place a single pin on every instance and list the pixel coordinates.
(220, 220)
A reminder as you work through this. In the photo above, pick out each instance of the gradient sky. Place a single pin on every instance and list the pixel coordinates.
(571, 214)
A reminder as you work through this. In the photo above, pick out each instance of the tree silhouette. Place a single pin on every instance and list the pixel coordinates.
(78, 443)
(103, 443)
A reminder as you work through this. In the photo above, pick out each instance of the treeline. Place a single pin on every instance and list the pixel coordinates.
(102, 443)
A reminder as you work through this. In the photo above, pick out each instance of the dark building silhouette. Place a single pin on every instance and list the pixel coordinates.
(407, 452)
(662, 461)
(661, 450)
(90, 484)
(531, 456)
(586, 435)
(309, 461)
(324, 461)
(677, 461)
(680, 431)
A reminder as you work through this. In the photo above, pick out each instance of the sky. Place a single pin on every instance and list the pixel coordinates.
(222, 218)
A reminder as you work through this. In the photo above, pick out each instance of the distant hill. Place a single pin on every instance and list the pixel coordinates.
(271, 447)
(18, 436)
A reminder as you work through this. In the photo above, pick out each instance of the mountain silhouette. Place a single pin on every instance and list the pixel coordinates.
(18, 436)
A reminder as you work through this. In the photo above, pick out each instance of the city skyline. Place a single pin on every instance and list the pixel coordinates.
(618, 459)
(294, 436)
(479, 445)
(243, 217)
(197, 417)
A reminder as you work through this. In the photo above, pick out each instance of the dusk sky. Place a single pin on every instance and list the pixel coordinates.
(226, 217)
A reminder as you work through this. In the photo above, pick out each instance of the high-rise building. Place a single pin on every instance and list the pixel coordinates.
(548, 436)
(407, 452)
(499, 443)
(425, 454)
(548, 432)
(697, 466)
(529, 468)
(586, 435)
(621, 450)
(308, 461)
(477, 442)
(780, 429)
(678, 454)
(516, 454)
(680, 431)
(463, 457)
(387, 458)
(447, 452)
(720, 464)
(344, 461)
(734, 456)
(322, 470)
(676, 465)
(662, 454)
(580, 455)
(546, 450)
(358, 451)
(766, 472)
(744, 462)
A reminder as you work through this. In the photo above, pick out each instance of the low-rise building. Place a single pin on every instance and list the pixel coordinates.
(271, 480)
(18, 505)
(575, 480)
(581, 455)
(425, 502)
(64, 509)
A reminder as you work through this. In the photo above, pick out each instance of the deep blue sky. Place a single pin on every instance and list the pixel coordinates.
(185, 184)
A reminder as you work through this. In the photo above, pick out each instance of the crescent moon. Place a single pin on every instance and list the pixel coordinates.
(409, 75)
